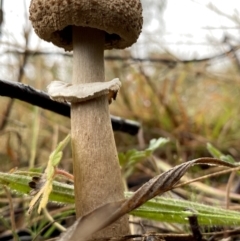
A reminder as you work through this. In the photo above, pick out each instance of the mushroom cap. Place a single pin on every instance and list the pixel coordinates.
(122, 20)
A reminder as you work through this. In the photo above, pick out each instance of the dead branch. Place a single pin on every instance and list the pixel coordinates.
(39, 98)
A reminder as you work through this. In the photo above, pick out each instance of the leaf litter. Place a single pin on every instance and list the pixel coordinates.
(103, 216)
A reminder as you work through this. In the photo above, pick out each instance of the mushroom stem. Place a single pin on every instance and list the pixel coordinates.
(97, 175)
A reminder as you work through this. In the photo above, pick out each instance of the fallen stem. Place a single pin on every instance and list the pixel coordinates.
(207, 176)
(11, 209)
(39, 98)
(50, 218)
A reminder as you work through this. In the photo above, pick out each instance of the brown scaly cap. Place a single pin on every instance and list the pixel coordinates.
(120, 19)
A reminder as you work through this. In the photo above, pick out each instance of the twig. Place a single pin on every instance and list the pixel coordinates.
(207, 176)
(167, 61)
(160, 97)
(35, 134)
(64, 173)
(224, 233)
(50, 218)
(193, 221)
(222, 13)
(228, 188)
(149, 236)
(9, 105)
(39, 98)
(235, 56)
(11, 209)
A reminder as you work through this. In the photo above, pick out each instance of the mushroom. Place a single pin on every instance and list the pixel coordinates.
(88, 27)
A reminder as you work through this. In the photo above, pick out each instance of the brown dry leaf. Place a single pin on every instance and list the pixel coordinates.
(91, 223)
(109, 213)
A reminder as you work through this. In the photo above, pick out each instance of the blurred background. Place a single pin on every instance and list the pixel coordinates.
(181, 81)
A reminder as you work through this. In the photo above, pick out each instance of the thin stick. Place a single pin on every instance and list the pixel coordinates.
(50, 218)
(228, 188)
(11, 209)
(210, 175)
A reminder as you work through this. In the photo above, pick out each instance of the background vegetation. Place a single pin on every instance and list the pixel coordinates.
(190, 101)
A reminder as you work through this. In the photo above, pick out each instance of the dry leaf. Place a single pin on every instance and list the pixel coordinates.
(66, 92)
(91, 223)
(111, 212)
